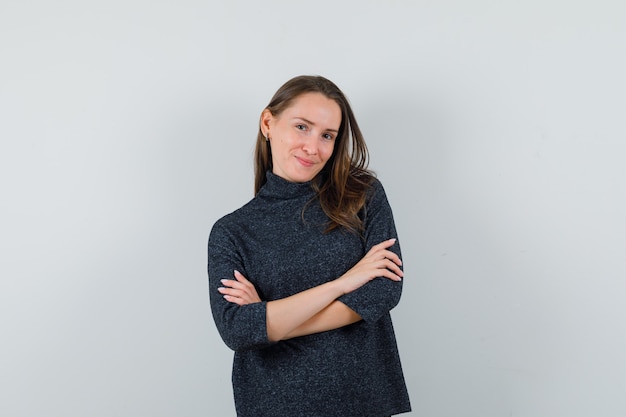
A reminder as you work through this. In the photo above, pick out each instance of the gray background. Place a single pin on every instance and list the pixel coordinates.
(497, 127)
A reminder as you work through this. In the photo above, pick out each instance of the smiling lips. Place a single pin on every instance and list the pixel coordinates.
(305, 162)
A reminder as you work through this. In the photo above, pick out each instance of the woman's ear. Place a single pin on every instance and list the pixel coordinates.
(266, 118)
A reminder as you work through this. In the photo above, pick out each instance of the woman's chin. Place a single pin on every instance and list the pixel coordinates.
(299, 175)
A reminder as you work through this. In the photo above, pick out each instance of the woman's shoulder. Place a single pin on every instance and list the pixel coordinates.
(375, 187)
(236, 218)
(363, 181)
(376, 195)
(367, 184)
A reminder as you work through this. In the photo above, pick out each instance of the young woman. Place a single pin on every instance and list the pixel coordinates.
(302, 278)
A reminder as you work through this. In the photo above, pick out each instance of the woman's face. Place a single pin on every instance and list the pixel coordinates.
(302, 137)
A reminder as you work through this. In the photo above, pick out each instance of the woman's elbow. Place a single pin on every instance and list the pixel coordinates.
(242, 327)
(240, 343)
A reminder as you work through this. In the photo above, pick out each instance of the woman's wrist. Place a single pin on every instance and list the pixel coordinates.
(339, 286)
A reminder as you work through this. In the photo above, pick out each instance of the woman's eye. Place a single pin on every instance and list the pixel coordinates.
(301, 127)
(327, 136)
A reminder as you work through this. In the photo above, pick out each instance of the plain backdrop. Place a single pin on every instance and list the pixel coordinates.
(497, 127)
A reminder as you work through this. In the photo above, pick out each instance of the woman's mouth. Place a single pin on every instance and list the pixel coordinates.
(305, 162)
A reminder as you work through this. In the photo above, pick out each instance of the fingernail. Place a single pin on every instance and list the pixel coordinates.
(223, 281)
(237, 272)
(220, 289)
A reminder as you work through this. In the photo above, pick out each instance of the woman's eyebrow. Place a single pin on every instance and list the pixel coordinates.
(313, 124)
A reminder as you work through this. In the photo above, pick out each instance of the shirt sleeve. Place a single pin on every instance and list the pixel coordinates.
(380, 295)
(241, 327)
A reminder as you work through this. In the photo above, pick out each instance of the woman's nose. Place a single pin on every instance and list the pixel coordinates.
(310, 145)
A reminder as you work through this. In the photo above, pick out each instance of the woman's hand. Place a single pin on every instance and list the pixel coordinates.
(239, 291)
(378, 262)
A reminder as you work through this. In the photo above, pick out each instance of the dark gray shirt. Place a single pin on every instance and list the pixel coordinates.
(353, 371)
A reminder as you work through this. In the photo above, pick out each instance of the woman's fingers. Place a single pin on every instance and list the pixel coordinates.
(379, 261)
(392, 257)
(240, 282)
(239, 277)
(383, 245)
(391, 266)
(392, 271)
(384, 268)
(239, 291)
(237, 296)
(381, 250)
(232, 297)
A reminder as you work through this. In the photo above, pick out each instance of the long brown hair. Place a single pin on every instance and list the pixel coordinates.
(343, 183)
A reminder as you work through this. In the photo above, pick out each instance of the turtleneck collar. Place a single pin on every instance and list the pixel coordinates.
(279, 188)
